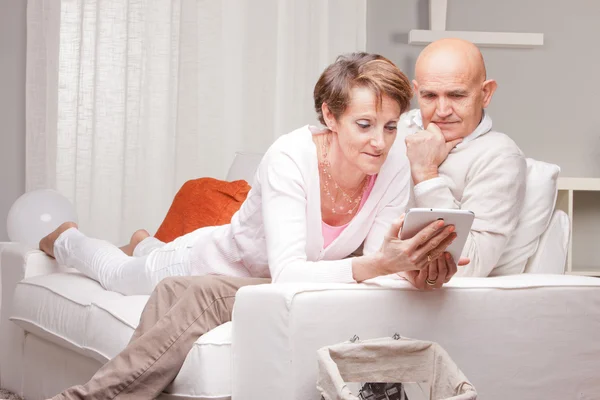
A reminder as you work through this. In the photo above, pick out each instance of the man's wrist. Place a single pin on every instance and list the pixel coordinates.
(424, 174)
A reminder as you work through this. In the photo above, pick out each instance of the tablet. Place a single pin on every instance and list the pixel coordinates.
(418, 218)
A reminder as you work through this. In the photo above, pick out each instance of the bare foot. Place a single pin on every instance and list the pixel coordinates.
(47, 243)
(136, 238)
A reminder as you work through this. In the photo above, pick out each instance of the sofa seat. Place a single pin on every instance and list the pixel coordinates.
(73, 311)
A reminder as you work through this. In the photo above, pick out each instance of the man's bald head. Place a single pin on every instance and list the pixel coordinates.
(451, 55)
(450, 82)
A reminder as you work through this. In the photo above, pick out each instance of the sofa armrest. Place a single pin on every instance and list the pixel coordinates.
(482, 323)
(17, 262)
(24, 260)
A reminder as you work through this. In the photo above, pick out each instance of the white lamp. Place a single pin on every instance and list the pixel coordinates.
(37, 213)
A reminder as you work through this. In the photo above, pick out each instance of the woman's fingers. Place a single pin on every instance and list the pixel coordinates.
(433, 269)
(411, 276)
(425, 235)
(452, 269)
(442, 268)
(433, 248)
(437, 272)
(464, 261)
(396, 227)
(419, 279)
(424, 276)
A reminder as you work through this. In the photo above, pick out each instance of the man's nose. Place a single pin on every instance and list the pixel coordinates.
(444, 109)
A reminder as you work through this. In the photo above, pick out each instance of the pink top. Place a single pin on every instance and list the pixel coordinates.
(330, 233)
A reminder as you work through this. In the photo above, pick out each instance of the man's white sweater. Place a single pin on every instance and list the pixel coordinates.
(485, 174)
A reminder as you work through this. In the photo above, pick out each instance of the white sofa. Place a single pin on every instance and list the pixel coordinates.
(526, 336)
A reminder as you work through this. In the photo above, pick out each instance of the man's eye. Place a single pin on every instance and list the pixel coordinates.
(428, 96)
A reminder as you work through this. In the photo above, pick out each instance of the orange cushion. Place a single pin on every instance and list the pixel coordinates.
(202, 202)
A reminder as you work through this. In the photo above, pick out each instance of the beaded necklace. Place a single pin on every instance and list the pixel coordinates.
(350, 202)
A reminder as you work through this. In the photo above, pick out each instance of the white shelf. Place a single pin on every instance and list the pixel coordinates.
(437, 30)
(482, 39)
(566, 188)
(584, 184)
(590, 272)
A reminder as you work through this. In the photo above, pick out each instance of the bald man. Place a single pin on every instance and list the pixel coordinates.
(458, 161)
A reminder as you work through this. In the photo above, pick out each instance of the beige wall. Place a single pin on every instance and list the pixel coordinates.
(547, 98)
(12, 105)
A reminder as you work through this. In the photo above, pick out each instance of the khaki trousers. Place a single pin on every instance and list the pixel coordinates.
(179, 311)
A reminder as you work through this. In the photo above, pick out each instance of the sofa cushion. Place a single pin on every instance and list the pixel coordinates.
(75, 312)
(202, 202)
(540, 198)
(56, 308)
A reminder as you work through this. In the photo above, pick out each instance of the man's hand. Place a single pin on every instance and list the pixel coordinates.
(426, 150)
(439, 271)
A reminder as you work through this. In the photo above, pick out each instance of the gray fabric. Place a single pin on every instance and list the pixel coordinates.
(390, 360)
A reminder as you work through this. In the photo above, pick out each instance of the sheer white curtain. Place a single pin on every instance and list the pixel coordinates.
(128, 99)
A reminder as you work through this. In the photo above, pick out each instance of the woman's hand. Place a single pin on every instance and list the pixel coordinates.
(417, 252)
(436, 274)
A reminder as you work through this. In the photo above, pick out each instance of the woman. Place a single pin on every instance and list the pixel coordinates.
(318, 194)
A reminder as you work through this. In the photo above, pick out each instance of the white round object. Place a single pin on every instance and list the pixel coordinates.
(37, 213)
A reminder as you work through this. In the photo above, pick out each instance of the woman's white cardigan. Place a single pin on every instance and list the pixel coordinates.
(277, 232)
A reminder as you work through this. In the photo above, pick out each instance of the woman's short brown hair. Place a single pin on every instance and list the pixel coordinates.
(360, 70)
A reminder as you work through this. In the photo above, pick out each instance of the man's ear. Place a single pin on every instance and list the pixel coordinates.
(329, 117)
(415, 88)
(488, 88)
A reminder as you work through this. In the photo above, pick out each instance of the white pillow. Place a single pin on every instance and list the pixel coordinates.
(540, 198)
(244, 167)
(551, 254)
